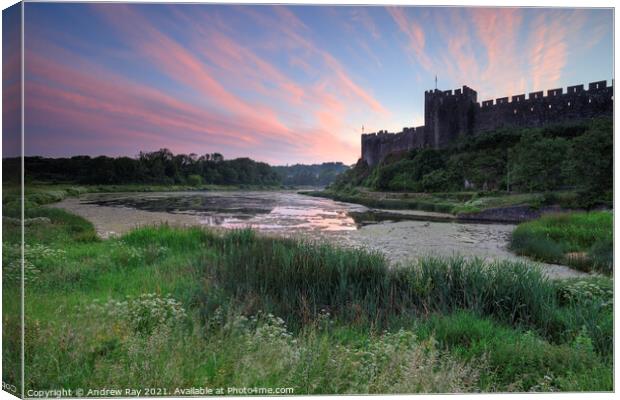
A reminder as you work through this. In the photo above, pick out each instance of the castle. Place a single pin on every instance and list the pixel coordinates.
(449, 115)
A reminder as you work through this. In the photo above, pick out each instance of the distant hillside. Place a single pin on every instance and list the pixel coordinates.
(310, 175)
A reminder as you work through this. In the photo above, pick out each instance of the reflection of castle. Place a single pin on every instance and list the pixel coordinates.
(449, 115)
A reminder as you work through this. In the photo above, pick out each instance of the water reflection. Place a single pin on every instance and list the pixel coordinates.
(265, 211)
(400, 236)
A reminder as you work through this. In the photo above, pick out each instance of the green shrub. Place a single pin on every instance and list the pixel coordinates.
(552, 237)
(586, 291)
(143, 314)
(194, 180)
(64, 226)
(522, 361)
(537, 246)
(435, 181)
(601, 255)
(154, 339)
(342, 321)
(296, 279)
(513, 292)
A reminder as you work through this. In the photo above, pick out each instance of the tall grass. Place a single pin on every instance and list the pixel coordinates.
(583, 240)
(298, 280)
(350, 323)
(517, 359)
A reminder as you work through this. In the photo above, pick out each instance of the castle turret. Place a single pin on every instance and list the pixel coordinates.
(448, 115)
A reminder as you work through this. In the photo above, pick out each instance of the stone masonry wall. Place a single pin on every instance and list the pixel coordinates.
(449, 115)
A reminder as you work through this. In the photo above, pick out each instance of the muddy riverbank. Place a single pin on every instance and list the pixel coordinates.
(293, 215)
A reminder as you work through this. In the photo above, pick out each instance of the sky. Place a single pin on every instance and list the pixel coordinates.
(280, 84)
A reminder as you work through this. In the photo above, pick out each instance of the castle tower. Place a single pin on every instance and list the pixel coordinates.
(448, 115)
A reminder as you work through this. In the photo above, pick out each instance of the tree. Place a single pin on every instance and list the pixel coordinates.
(161, 166)
(592, 159)
(537, 162)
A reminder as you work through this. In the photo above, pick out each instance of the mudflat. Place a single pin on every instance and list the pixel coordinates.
(398, 241)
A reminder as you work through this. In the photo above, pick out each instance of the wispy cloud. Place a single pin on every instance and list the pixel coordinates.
(550, 43)
(496, 50)
(304, 120)
(362, 17)
(415, 35)
(11, 81)
(548, 52)
(498, 31)
(278, 83)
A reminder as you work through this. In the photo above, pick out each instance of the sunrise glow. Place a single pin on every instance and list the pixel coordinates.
(280, 84)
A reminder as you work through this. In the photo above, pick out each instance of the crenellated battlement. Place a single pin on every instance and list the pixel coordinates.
(540, 108)
(386, 134)
(449, 114)
(375, 146)
(594, 88)
(464, 91)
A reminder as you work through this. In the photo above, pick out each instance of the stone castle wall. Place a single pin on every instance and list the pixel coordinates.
(449, 115)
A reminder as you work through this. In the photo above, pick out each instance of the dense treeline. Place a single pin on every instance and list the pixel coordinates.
(157, 167)
(310, 175)
(164, 167)
(576, 156)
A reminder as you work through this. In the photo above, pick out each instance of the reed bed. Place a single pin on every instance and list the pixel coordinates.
(182, 307)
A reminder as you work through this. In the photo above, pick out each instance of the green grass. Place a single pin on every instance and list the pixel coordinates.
(297, 280)
(449, 202)
(583, 240)
(37, 194)
(171, 307)
(516, 359)
(423, 202)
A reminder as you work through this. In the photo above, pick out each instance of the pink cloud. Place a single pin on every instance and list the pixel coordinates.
(121, 111)
(414, 33)
(479, 47)
(509, 64)
(305, 121)
(287, 37)
(498, 31)
(288, 17)
(549, 49)
(362, 18)
(303, 65)
(283, 92)
(239, 63)
(183, 66)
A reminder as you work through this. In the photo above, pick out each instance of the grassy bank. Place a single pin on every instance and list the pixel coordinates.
(582, 240)
(188, 307)
(524, 160)
(450, 203)
(41, 194)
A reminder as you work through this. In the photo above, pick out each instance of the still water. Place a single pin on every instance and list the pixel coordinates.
(264, 211)
(401, 236)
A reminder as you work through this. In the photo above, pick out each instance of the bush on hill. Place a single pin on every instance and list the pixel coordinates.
(577, 156)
